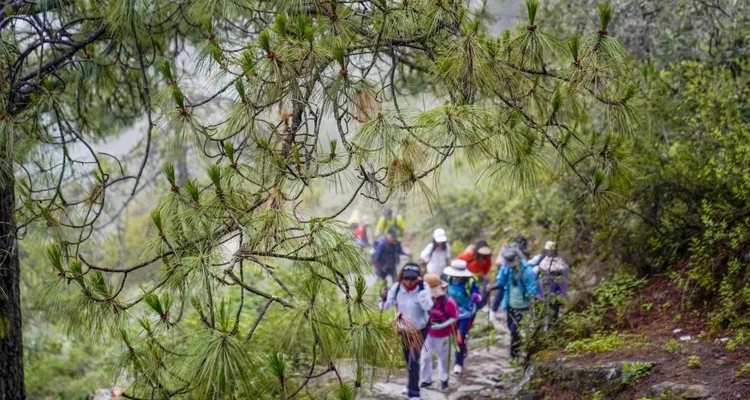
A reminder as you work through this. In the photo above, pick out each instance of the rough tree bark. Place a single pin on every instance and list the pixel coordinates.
(11, 341)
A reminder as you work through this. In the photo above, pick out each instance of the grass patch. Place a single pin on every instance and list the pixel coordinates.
(601, 342)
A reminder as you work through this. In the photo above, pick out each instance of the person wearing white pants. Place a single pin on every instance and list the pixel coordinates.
(443, 316)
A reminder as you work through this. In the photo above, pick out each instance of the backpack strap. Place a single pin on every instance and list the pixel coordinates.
(398, 288)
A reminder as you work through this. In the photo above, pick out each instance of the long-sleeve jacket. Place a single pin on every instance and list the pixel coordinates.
(436, 259)
(386, 254)
(461, 292)
(477, 266)
(385, 224)
(527, 282)
(414, 305)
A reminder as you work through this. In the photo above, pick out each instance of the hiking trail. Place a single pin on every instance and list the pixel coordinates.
(487, 363)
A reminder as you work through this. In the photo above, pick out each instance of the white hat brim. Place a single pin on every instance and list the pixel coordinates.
(458, 273)
(440, 238)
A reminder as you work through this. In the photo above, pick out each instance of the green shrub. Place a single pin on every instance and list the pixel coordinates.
(744, 371)
(694, 361)
(673, 346)
(635, 371)
(611, 300)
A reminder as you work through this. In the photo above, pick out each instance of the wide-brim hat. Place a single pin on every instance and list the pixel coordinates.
(485, 251)
(549, 245)
(509, 253)
(458, 269)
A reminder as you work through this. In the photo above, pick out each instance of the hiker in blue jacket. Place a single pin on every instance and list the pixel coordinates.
(516, 283)
(386, 256)
(463, 288)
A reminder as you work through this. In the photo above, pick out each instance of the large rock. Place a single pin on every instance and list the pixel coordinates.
(608, 379)
(680, 391)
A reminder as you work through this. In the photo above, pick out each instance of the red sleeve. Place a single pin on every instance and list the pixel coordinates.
(451, 309)
(466, 256)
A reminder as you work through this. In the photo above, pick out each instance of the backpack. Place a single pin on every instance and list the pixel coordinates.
(442, 308)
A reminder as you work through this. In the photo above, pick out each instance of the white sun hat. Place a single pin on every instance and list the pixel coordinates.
(458, 269)
(550, 245)
(439, 235)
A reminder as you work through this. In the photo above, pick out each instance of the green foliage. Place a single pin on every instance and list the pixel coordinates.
(633, 372)
(673, 346)
(603, 342)
(237, 287)
(694, 361)
(611, 300)
(743, 371)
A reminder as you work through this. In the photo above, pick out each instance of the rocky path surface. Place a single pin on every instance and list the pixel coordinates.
(483, 371)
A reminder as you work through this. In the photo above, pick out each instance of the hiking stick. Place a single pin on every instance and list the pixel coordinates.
(489, 323)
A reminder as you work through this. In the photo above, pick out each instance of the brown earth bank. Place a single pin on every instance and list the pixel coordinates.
(669, 337)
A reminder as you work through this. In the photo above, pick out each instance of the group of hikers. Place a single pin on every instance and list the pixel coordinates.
(438, 297)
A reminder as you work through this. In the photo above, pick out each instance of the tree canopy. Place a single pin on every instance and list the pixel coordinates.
(271, 100)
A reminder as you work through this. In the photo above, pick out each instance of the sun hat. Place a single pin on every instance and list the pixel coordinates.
(410, 270)
(482, 248)
(439, 235)
(458, 269)
(437, 287)
(549, 245)
(509, 253)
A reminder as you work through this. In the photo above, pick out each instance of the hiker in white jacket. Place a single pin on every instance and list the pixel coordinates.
(413, 304)
(436, 254)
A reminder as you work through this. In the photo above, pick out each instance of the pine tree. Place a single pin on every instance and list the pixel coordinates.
(290, 299)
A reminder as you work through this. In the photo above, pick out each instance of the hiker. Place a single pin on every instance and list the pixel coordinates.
(506, 257)
(463, 288)
(478, 259)
(360, 233)
(436, 254)
(386, 255)
(413, 304)
(443, 317)
(552, 279)
(517, 286)
(388, 222)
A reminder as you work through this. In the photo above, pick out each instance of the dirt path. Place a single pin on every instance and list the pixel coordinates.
(481, 379)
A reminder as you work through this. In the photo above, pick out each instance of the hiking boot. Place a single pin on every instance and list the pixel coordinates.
(457, 369)
(425, 385)
(444, 386)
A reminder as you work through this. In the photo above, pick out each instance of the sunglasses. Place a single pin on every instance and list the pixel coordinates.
(409, 279)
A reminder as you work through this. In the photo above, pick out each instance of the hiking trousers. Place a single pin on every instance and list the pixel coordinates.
(514, 321)
(412, 356)
(439, 346)
(462, 336)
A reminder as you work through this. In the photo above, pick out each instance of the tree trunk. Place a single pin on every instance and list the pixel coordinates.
(11, 341)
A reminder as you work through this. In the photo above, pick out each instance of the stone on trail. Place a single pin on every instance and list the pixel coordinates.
(680, 391)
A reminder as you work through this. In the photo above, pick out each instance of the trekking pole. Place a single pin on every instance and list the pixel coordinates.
(451, 345)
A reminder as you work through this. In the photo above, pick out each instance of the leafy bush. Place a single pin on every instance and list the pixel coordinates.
(635, 371)
(694, 361)
(610, 302)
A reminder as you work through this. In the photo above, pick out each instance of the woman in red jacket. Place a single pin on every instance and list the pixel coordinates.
(478, 259)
